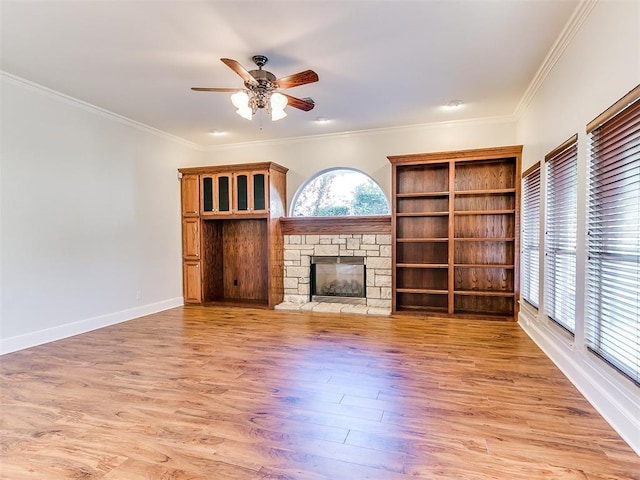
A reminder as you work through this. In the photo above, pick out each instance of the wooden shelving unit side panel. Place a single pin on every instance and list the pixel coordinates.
(275, 240)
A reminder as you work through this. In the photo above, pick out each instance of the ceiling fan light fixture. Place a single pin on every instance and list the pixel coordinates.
(277, 114)
(277, 103)
(240, 99)
(245, 112)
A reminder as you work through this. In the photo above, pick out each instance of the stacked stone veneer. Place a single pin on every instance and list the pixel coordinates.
(375, 248)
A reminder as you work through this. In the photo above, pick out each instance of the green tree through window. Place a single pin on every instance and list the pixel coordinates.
(340, 192)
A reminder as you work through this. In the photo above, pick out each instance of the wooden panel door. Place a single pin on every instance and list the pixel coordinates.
(192, 282)
(191, 238)
(190, 187)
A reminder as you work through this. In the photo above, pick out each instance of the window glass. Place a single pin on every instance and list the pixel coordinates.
(530, 240)
(560, 235)
(339, 192)
(613, 260)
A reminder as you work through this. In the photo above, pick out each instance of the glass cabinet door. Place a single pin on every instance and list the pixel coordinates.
(216, 194)
(242, 192)
(251, 192)
(259, 192)
(207, 195)
(224, 194)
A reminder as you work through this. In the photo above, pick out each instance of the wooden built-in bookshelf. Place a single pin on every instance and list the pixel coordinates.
(455, 227)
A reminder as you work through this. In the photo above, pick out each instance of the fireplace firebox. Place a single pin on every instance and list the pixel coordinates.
(338, 279)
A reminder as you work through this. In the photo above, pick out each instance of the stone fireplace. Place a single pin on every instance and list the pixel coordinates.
(338, 279)
(372, 250)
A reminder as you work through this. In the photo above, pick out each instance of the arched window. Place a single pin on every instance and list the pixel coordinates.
(339, 192)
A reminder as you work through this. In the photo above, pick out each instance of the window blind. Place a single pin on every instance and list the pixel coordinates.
(613, 248)
(560, 234)
(530, 239)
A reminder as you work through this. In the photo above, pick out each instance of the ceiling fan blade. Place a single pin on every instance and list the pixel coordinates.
(240, 70)
(297, 79)
(299, 103)
(208, 89)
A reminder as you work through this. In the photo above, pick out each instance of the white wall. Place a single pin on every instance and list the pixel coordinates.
(366, 151)
(90, 231)
(600, 65)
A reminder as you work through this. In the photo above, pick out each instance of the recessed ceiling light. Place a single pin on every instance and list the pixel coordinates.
(322, 120)
(216, 133)
(453, 105)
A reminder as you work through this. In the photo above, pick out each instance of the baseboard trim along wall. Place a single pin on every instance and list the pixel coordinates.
(608, 394)
(20, 342)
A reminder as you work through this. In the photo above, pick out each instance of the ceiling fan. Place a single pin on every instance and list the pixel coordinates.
(262, 89)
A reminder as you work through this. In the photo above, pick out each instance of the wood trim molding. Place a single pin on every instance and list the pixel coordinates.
(458, 155)
(566, 144)
(624, 102)
(237, 166)
(336, 225)
(532, 168)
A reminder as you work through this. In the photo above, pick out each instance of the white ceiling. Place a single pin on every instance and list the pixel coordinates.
(381, 64)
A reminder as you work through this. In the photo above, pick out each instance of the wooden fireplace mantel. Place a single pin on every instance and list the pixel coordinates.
(335, 225)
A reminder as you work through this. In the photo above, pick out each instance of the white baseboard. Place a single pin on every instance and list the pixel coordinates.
(611, 394)
(32, 339)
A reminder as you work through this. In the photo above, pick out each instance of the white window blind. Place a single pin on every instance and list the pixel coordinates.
(613, 265)
(530, 239)
(560, 234)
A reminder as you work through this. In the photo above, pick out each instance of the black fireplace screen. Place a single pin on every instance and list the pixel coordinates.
(338, 277)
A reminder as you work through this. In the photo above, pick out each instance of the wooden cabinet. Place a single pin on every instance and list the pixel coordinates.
(231, 241)
(455, 232)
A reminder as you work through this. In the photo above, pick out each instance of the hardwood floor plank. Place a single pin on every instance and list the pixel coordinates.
(232, 393)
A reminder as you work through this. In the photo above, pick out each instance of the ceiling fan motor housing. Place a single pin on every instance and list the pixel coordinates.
(264, 87)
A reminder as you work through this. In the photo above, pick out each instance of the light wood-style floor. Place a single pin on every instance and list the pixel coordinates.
(233, 393)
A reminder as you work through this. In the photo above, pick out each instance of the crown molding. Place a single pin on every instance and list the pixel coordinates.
(19, 81)
(377, 131)
(569, 31)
